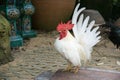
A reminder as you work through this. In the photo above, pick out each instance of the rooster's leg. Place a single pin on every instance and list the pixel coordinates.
(76, 69)
(69, 67)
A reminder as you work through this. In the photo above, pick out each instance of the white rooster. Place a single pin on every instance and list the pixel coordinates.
(77, 49)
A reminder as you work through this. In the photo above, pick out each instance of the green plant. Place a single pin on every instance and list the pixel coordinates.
(116, 3)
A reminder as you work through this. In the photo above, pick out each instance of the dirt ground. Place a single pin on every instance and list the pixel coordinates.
(38, 55)
(104, 56)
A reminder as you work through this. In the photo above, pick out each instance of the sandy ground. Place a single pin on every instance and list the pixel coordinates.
(104, 56)
(38, 55)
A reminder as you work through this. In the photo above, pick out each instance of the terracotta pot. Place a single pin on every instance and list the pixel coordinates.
(49, 13)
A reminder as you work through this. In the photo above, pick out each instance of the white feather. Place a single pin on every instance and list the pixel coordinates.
(75, 17)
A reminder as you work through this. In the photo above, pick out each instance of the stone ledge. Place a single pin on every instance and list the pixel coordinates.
(83, 74)
(44, 76)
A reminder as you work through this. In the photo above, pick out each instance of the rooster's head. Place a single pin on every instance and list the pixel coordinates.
(63, 28)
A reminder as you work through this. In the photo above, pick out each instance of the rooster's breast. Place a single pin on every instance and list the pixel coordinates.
(69, 49)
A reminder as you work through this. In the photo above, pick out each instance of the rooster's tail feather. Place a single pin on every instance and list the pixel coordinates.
(83, 29)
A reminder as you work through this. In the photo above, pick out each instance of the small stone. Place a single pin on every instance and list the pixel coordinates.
(97, 60)
(104, 58)
(99, 64)
(118, 63)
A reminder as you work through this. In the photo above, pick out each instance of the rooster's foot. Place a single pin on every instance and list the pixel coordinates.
(75, 69)
(69, 68)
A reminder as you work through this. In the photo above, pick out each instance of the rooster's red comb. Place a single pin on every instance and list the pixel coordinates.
(65, 26)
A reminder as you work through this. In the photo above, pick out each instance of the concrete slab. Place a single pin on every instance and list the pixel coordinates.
(44, 76)
(87, 74)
